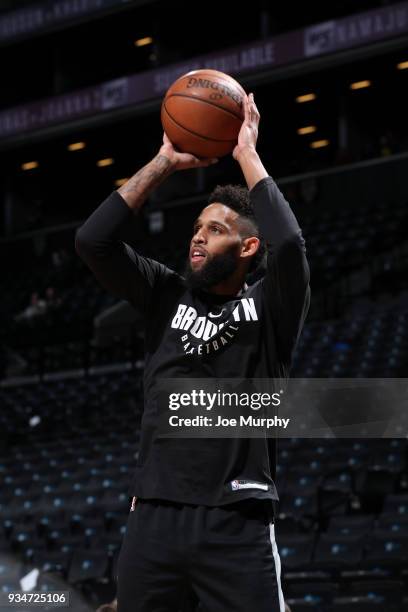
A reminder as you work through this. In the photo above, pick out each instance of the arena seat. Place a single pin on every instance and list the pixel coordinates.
(336, 550)
(296, 550)
(88, 565)
(353, 525)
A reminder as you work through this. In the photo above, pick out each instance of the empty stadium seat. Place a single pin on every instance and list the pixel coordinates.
(338, 550)
(87, 565)
(296, 550)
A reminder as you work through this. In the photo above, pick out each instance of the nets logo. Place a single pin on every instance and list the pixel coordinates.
(202, 336)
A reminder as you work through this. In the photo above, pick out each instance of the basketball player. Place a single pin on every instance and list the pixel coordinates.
(201, 517)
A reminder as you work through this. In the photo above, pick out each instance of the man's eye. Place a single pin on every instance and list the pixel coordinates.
(216, 229)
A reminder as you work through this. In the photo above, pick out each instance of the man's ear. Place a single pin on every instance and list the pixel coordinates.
(250, 246)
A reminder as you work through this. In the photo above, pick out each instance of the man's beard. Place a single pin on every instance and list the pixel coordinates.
(216, 269)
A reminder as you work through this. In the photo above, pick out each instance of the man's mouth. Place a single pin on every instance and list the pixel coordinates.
(197, 255)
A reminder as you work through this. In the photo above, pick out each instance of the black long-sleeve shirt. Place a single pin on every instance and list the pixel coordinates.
(192, 334)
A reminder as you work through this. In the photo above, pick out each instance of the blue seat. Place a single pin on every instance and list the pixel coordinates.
(317, 595)
(355, 525)
(389, 591)
(88, 565)
(337, 550)
(298, 505)
(52, 561)
(390, 524)
(397, 504)
(301, 483)
(295, 550)
(386, 550)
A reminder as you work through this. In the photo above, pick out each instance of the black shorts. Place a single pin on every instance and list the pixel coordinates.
(225, 555)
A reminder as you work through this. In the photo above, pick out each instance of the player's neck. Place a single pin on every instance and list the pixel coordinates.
(230, 287)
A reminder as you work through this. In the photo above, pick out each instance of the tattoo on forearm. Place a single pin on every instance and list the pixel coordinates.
(140, 185)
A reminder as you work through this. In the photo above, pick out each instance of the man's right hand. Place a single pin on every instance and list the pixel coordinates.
(168, 160)
(182, 161)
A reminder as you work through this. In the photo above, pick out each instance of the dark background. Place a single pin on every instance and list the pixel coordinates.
(71, 367)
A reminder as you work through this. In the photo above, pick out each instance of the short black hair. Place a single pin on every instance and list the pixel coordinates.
(237, 198)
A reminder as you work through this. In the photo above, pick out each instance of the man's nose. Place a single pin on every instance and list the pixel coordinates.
(199, 237)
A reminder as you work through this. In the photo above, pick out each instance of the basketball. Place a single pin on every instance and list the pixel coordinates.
(202, 113)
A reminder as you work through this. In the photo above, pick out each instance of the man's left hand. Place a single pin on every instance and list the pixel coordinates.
(248, 134)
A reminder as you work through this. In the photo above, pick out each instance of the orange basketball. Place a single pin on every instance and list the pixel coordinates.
(202, 113)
